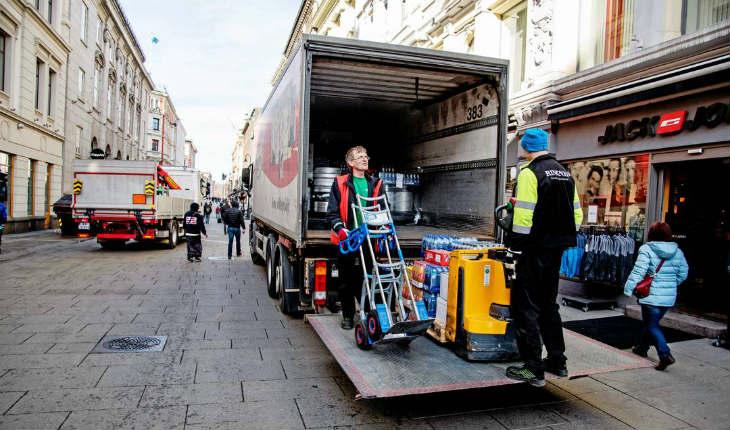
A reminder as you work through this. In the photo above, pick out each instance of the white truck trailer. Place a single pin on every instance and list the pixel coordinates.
(121, 200)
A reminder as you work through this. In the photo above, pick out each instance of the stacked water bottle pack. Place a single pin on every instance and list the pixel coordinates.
(451, 243)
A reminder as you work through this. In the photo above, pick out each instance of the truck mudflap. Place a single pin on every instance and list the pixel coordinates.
(390, 370)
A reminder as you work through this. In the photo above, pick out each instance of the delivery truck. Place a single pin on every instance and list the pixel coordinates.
(121, 200)
(433, 123)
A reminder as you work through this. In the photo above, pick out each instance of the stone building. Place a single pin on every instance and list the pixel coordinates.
(33, 77)
(243, 149)
(109, 87)
(165, 134)
(190, 154)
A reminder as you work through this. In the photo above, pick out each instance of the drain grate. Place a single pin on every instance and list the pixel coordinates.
(130, 344)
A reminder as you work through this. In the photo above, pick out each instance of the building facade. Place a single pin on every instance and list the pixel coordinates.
(165, 134)
(33, 76)
(635, 94)
(243, 150)
(191, 153)
(109, 88)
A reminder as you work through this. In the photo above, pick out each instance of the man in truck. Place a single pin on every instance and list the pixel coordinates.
(341, 219)
(194, 226)
(547, 215)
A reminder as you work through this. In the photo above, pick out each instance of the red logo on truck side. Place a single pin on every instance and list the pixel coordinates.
(671, 122)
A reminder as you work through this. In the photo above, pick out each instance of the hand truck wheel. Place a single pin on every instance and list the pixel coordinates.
(361, 337)
(373, 326)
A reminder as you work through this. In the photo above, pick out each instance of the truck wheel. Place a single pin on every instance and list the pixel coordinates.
(284, 280)
(255, 257)
(172, 235)
(270, 269)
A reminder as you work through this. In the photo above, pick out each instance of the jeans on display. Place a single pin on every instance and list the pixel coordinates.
(234, 232)
(652, 333)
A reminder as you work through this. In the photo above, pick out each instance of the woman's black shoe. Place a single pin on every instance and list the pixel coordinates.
(665, 362)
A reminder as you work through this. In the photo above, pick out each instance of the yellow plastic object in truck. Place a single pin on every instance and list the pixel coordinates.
(477, 318)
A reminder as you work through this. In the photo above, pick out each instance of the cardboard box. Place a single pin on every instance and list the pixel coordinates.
(441, 311)
(444, 286)
(439, 257)
(419, 271)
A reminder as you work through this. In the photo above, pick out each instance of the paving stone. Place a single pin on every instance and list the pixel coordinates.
(580, 385)
(25, 348)
(63, 348)
(132, 358)
(523, 417)
(15, 338)
(258, 391)
(222, 356)
(168, 418)
(7, 399)
(249, 370)
(49, 421)
(480, 421)
(631, 411)
(167, 317)
(311, 368)
(238, 343)
(401, 425)
(283, 415)
(337, 411)
(178, 343)
(39, 361)
(77, 399)
(293, 353)
(579, 412)
(191, 394)
(152, 374)
(32, 379)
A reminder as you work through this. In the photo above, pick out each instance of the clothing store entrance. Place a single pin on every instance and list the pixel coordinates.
(696, 204)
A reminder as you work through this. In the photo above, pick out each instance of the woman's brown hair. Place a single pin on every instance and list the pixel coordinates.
(660, 231)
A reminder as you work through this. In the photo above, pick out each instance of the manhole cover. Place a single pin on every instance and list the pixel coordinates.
(130, 344)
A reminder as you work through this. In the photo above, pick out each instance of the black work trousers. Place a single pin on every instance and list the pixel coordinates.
(350, 287)
(535, 307)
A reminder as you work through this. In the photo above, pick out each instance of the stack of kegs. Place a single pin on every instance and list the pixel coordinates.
(321, 187)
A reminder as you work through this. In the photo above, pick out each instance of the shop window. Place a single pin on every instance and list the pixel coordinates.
(613, 192)
(700, 14)
(605, 30)
(30, 194)
(5, 179)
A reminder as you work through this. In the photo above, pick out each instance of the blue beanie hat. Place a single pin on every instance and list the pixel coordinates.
(534, 140)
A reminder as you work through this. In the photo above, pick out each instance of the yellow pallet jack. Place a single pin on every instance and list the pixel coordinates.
(478, 321)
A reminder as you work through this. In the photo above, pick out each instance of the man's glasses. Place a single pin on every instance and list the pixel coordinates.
(361, 157)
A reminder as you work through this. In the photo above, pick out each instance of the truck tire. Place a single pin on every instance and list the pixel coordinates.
(284, 280)
(270, 269)
(255, 257)
(172, 235)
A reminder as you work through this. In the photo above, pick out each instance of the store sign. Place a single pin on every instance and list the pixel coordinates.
(667, 124)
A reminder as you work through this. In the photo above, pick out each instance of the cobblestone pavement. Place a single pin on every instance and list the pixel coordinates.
(232, 361)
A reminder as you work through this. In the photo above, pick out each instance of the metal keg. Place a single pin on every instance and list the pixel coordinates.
(399, 200)
(321, 186)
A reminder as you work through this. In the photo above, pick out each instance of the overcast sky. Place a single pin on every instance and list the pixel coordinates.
(216, 59)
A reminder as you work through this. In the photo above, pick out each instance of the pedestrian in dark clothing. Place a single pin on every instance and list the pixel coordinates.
(340, 216)
(233, 218)
(3, 220)
(224, 207)
(546, 217)
(194, 226)
(207, 209)
(663, 291)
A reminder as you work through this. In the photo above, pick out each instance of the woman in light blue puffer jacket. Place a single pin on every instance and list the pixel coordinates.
(663, 291)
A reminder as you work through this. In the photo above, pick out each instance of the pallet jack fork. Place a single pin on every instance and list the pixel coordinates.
(383, 314)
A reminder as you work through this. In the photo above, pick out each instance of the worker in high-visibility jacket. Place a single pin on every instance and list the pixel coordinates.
(547, 215)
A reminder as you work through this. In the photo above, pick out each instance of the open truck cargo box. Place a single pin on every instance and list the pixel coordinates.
(425, 367)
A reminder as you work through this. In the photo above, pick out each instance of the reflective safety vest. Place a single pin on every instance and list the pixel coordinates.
(345, 201)
(547, 209)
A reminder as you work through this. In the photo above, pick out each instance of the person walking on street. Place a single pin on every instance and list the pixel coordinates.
(662, 258)
(207, 209)
(340, 217)
(194, 227)
(224, 207)
(3, 220)
(233, 218)
(546, 217)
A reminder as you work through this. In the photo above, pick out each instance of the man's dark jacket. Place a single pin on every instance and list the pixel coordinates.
(194, 223)
(233, 217)
(333, 205)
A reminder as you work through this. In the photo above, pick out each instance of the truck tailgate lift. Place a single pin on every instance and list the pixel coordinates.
(426, 367)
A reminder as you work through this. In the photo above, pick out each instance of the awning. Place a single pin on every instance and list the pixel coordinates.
(165, 178)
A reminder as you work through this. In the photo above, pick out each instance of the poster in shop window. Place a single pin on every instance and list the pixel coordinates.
(616, 187)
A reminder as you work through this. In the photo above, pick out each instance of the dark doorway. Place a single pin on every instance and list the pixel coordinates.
(697, 207)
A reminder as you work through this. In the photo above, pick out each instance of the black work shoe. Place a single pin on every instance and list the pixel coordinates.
(556, 369)
(347, 323)
(198, 259)
(665, 362)
(641, 352)
(526, 375)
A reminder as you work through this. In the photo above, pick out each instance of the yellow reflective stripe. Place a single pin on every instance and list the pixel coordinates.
(526, 199)
(577, 210)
